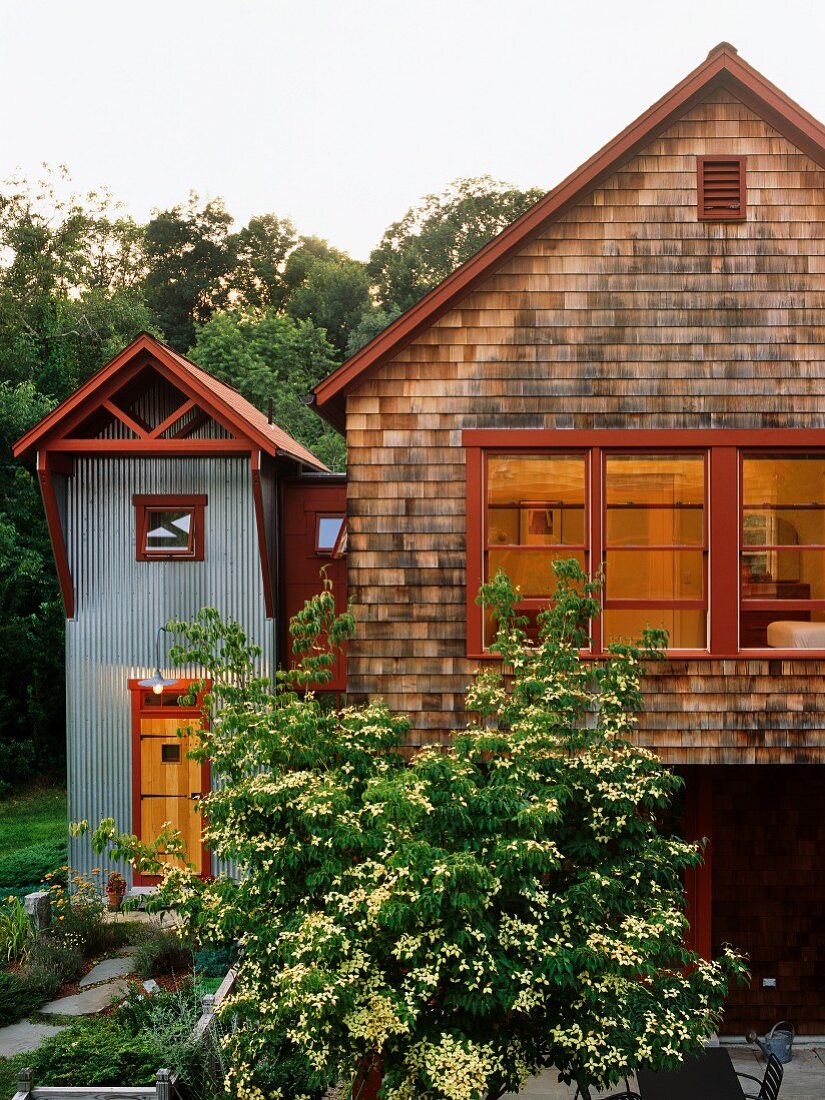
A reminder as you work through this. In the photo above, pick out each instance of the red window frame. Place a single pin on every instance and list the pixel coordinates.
(147, 505)
(724, 448)
(324, 551)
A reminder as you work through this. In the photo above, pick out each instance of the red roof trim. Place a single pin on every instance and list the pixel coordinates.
(723, 67)
(225, 403)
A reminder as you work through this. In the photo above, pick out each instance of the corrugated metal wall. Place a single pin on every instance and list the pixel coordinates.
(120, 603)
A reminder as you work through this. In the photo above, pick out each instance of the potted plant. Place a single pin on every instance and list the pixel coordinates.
(115, 889)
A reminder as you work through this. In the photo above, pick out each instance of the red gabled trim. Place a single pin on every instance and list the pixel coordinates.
(171, 419)
(156, 447)
(722, 68)
(139, 429)
(260, 522)
(220, 401)
(45, 470)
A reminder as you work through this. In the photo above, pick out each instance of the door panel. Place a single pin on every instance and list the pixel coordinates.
(170, 783)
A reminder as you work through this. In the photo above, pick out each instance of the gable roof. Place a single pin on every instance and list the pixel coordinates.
(214, 396)
(723, 68)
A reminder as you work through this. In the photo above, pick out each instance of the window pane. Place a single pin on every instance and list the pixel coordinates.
(783, 500)
(654, 575)
(655, 500)
(530, 570)
(783, 575)
(535, 500)
(169, 531)
(686, 629)
(329, 528)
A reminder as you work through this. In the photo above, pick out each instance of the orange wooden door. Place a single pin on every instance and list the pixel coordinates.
(170, 783)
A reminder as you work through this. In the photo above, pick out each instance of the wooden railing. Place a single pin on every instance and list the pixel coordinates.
(164, 1086)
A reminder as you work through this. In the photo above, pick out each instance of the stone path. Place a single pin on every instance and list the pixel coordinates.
(23, 1036)
(96, 990)
(108, 970)
(87, 1002)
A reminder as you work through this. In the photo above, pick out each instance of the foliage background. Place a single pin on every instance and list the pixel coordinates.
(262, 307)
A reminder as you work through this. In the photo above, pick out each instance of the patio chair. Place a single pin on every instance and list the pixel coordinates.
(770, 1084)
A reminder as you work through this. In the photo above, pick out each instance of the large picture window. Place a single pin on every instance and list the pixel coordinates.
(717, 537)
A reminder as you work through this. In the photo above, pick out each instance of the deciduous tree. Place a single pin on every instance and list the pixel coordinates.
(465, 919)
(439, 233)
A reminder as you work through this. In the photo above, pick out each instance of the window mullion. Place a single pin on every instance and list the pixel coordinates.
(596, 529)
(724, 550)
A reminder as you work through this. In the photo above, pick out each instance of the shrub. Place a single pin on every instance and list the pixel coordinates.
(32, 863)
(169, 1018)
(17, 997)
(213, 962)
(160, 953)
(60, 954)
(15, 931)
(97, 1052)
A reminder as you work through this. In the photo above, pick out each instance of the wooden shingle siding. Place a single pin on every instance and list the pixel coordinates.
(627, 312)
(768, 865)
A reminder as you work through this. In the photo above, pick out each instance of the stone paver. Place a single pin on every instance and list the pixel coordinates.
(17, 1038)
(88, 1002)
(107, 970)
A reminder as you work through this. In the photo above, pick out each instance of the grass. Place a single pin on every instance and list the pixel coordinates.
(33, 831)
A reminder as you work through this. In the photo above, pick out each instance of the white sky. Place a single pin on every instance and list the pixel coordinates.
(342, 113)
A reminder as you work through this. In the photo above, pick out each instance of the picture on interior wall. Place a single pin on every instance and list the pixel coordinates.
(540, 522)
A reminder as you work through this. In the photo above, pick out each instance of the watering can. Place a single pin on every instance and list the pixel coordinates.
(778, 1041)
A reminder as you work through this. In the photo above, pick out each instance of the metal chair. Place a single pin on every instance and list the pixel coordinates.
(770, 1084)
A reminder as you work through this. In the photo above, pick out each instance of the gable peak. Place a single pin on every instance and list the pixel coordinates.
(722, 47)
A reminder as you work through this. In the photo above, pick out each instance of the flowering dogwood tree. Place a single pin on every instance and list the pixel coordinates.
(463, 918)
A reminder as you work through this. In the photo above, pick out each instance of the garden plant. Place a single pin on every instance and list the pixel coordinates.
(460, 919)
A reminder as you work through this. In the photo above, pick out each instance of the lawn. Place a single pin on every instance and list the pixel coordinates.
(33, 829)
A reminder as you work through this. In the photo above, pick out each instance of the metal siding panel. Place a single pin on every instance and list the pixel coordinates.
(121, 602)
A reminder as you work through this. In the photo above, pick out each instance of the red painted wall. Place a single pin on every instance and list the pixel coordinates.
(302, 501)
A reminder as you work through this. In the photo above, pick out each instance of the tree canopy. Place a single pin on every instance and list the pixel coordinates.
(439, 233)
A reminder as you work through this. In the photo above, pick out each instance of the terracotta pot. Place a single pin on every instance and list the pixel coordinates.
(115, 902)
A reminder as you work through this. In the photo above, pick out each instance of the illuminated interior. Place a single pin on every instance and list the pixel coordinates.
(782, 552)
(655, 539)
(656, 548)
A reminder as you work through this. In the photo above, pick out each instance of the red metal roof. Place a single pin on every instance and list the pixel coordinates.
(722, 68)
(213, 395)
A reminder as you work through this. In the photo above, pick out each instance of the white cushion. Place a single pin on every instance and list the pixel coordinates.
(790, 635)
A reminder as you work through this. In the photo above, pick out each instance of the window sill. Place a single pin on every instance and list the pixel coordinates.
(699, 655)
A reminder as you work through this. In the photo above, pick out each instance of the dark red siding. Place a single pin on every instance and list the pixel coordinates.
(302, 501)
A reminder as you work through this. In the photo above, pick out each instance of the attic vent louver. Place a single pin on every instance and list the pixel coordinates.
(721, 186)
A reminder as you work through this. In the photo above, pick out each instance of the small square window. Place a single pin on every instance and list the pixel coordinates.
(327, 530)
(170, 754)
(169, 528)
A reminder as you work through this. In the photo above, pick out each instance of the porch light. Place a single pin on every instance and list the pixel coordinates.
(157, 682)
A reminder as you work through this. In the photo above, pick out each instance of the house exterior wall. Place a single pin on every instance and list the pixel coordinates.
(120, 603)
(626, 312)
